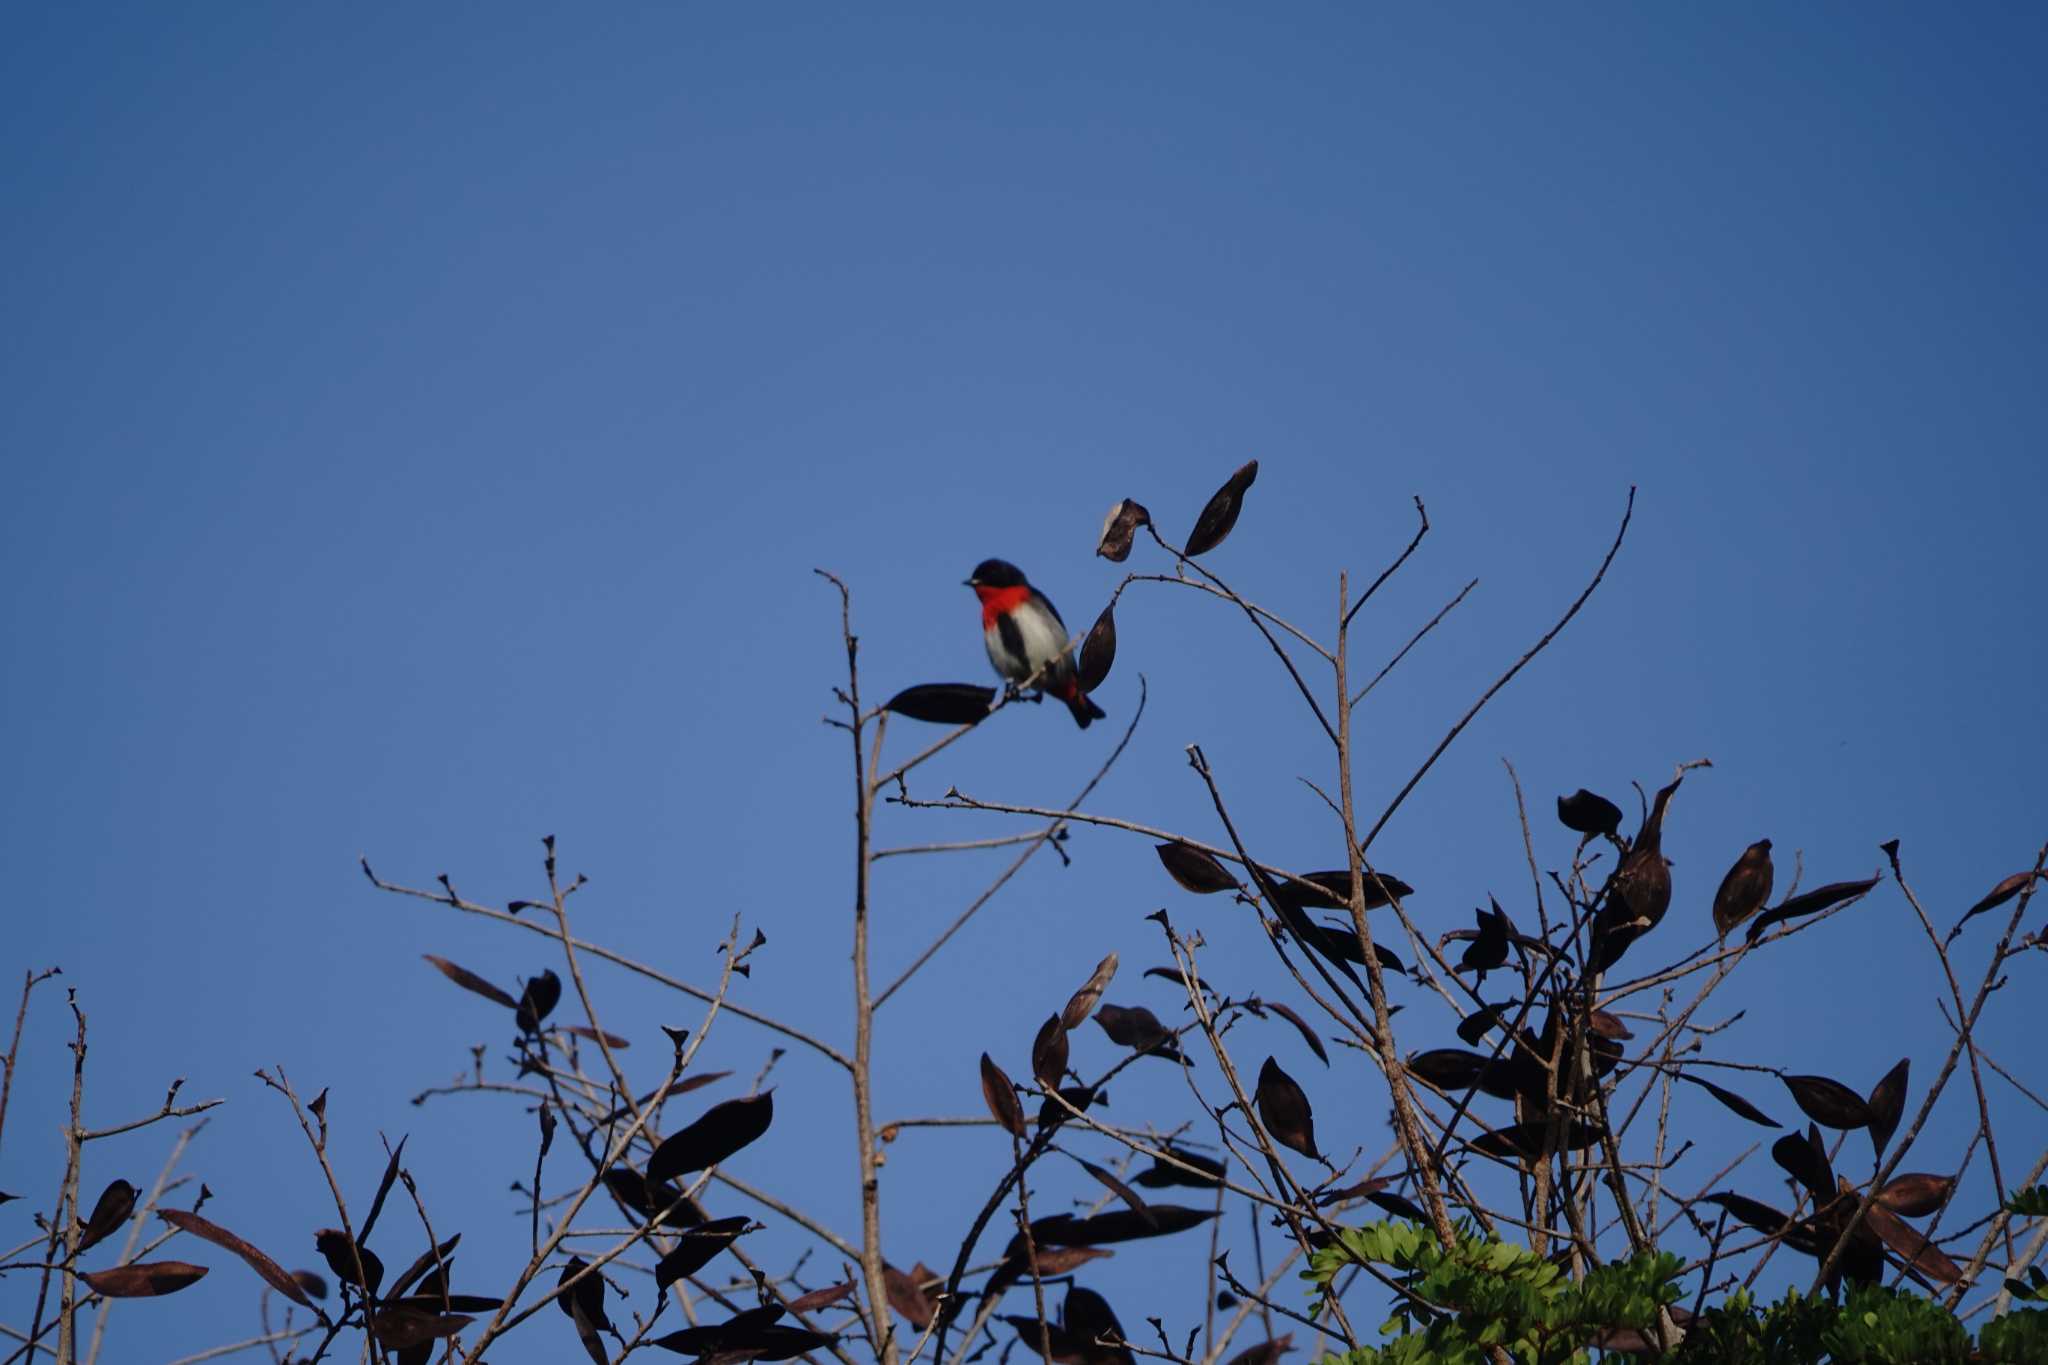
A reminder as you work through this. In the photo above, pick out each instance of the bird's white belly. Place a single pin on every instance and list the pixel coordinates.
(1043, 638)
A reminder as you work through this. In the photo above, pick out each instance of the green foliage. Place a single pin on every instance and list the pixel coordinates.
(2031, 1202)
(1455, 1305)
(2033, 1289)
(1789, 1333)
(2015, 1339)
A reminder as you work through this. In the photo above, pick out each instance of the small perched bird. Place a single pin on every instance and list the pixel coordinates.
(1745, 889)
(1025, 634)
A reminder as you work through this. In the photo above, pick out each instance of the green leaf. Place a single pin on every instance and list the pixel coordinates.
(2031, 1202)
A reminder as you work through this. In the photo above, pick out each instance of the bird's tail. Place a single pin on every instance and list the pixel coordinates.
(1084, 708)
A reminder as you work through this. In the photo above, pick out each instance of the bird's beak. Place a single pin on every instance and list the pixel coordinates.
(966, 582)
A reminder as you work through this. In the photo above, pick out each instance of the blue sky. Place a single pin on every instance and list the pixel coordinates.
(422, 426)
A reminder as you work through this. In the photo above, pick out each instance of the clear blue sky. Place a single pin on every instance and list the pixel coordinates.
(421, 425)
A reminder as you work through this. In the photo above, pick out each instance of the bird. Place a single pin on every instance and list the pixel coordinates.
(1027, 641)
(1746, 887)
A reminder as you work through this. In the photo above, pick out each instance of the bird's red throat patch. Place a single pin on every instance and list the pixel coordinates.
(996, 601)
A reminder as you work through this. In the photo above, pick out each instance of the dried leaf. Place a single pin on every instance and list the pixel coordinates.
(1526, 1140)
(1912, 1246)
(109, 1211)
(1335, 943)
(1266, 1352)
(696, 1247)
(1997, 896)
(1585, 813)
(1098, 650)
(275, 1275)
(752, 1335)
(1308, 1035)
(585, 1297)
(943, 703)
(1118, 529)
(1195, 870)
(731, 1339)
(1758, 1215)
(1088, 1323)
(1083, 1002)
(470, 981)
(1733, 1101)
(538, 1000)
(1601, 1024)
(1065, 1230)
(907, 1295)
(1449, 1068)
(1916, 1195)
(1051, 1113)
(652, 1199)
(1637, 899)
(1284, 1110)
(1810, 902)
(313, 1284)
(611, 1040)
(1049, 1053)
(1162, 1174)
(1828, 1101)
(720, 1131)
(1477, 1024)
(1326, 1198)
(341, 1255)
(1490, 949)
(1745, 889)
(428, 1260)
(1059, 1260)
(1133, 1026)
(401, 1326)
(682, 1087)
(1398, 1205)
(1332, 890)
(383, 1190)
(820, 1298)
(1001, 1098)
(1887, 1103)
(1805, 1159)
(144, 1279)
(1117, 1188)
(1220, 515)
(1059, 1346)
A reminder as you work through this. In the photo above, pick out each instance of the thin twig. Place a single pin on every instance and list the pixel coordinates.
(1503, 680)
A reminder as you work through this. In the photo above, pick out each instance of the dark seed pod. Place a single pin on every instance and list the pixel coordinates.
(1220, 515)
(1583, 812)
(1195, 870)
(1118, 529)
(943, 703)
(1745, 889)
(1098, 650)
(1828, 1101)
(538, 1001)
(1284, 1109)
(1887, 1103)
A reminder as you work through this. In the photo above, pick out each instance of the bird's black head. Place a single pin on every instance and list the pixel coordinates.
(996, 573)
